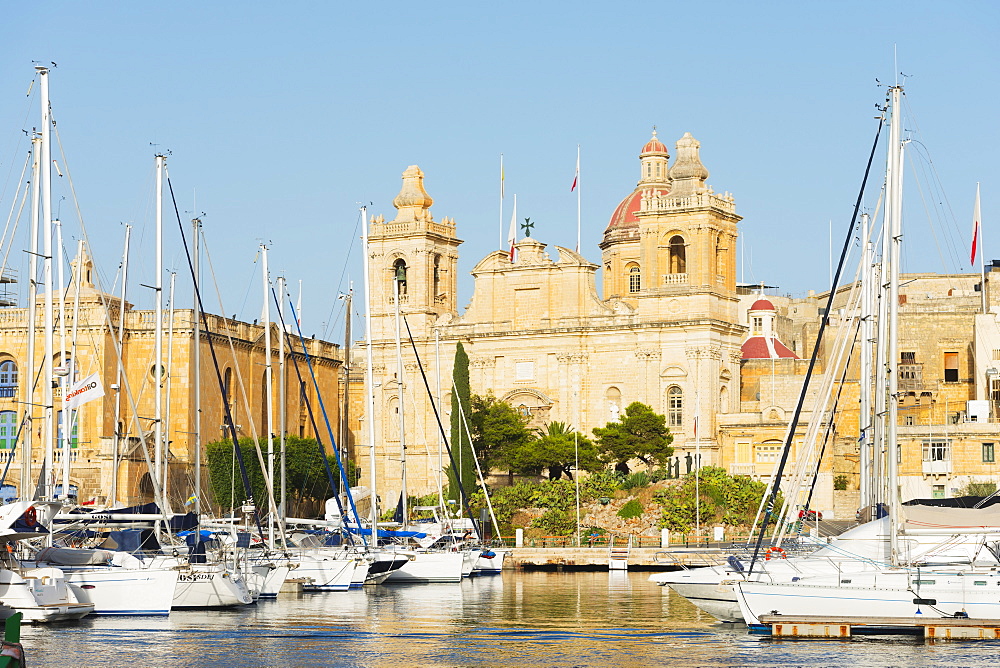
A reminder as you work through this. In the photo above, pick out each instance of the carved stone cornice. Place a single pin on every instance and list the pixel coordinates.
(704, 352)
(648, 354)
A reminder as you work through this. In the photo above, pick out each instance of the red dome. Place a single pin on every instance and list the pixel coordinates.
(624, 215)
(762, 305)
(764, 348)
(654, 145)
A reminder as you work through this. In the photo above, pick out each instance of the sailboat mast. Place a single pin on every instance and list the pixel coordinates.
(196, 361)
(115, 454)
(865, 390)
(282, 427)
(894, 220)
(369, 381)
(169, 382)
(29, 377)
(71, 416)
(48, 430)
(66, 366)
(268, 390)
(440, 466)
(158, 330)
(346, 409)
(396, 283)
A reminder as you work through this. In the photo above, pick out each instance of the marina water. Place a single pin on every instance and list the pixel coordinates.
(564, 620)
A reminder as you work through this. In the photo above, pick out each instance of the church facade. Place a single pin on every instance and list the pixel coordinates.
(666, 331)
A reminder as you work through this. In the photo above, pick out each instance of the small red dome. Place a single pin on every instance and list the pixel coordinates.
(762, 305)
(654, 145)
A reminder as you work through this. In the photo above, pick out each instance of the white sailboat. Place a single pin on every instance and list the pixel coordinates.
(907, 585)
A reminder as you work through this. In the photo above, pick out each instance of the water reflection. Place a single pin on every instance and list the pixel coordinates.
(561, 620)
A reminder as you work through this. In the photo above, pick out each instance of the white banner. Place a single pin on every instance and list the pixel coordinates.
(88, 389)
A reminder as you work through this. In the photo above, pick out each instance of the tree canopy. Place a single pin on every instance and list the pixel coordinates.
(499, 432)
(307, 483)
(639, 433)
(560, 448)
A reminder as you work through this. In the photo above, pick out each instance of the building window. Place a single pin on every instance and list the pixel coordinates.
(766, 453)
(675, 407)
(758, 323)
(678, 257)
(937, 491)
(634, 278)
(908, 421)
(936, 450)
(908, 358)
(73, 436)
(399, 276)
(951, 367)
(8, 379)
(437, 276)
(8, 430)
(988, 454)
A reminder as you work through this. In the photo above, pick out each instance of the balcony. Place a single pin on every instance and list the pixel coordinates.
(675, 279)
(910, 377)
(937, 467)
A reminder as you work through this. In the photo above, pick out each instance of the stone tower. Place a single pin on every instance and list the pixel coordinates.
(418, 253)
(671, 244)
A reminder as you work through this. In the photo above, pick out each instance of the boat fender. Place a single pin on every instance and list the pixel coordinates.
(735, 563)
(781, 554)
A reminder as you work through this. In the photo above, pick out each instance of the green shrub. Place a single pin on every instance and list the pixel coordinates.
(631, 509)
(978, 488)
(637, 479)
(723, 499)
(556, 522)
(840, 482)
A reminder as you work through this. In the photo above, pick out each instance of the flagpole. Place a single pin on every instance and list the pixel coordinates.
(500, 226)
(982, 261)
(577, 198)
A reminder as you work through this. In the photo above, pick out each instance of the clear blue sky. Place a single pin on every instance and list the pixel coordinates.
(282, 117)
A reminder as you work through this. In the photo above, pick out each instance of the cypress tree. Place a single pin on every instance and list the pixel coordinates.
(461, 449)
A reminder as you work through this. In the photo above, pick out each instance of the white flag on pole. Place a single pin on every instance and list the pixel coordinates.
(85, 390)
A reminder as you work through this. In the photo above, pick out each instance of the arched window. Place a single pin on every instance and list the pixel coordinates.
(675, 407)
(634, 278)
(678, 260)
(649, 170)
(657, 170)
(8, 379)
(724, 400)
(227, 384)
(437, 276)
(399, 276)
(8, 430)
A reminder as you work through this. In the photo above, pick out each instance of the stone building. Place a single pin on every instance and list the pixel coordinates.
(949, 392)
(93, 441)
(666, 330)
